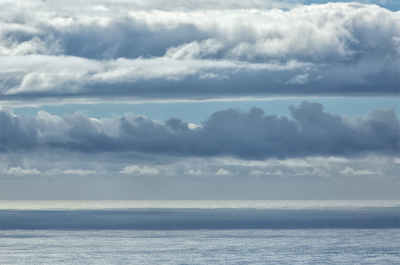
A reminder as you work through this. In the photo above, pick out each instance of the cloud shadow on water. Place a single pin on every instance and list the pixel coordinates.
(192, 219)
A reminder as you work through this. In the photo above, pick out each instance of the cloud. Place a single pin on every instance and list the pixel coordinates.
(351, 171)
(78, 172)
(136, 51)
(135, 170)
(256, 172)
(192, 172)
(193, 126)
(67, 76)
(276, 173)
(300, 79)
(20, 171)
(234, 133)
(222, 172)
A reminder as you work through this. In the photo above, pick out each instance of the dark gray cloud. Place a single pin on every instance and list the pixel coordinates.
(243, 134)
(137, 51)
(13, 137)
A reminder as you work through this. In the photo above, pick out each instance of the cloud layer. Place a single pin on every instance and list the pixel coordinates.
(53, 52)
(234, 133)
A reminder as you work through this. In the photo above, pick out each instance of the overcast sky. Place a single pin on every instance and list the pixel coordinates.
(199, 99)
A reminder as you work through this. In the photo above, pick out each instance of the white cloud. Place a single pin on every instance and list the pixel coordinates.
(279, 173)
(41, 73)
(222, 172)
(351, 171)
(192, 172)
(256, 172)
(212, 76)
(193, 126)
(299, 80)
(316, 161)
(194, 50)
(32, 46)
(78, 172)
(49, 53)
(135, 170)
(20, 171)
(100, 8)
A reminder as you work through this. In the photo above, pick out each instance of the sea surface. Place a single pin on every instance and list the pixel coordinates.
(200, 232)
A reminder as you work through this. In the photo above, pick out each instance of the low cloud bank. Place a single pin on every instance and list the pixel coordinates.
(243, 134)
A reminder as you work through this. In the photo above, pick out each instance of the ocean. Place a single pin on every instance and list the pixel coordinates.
(200, 232)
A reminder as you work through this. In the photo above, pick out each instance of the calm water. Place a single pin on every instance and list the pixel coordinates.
(200, 232)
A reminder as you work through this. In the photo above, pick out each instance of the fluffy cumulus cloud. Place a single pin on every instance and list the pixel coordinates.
(136, 50)
(222, 172)
(135, 170)
(229, 133)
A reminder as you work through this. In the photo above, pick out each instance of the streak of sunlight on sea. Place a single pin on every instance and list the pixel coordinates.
(196, 204)
(115, 232)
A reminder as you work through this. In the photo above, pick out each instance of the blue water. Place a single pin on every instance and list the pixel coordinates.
(304, 246)
(200, 232)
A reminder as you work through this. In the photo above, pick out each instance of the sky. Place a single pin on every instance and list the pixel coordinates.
(199, 100)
